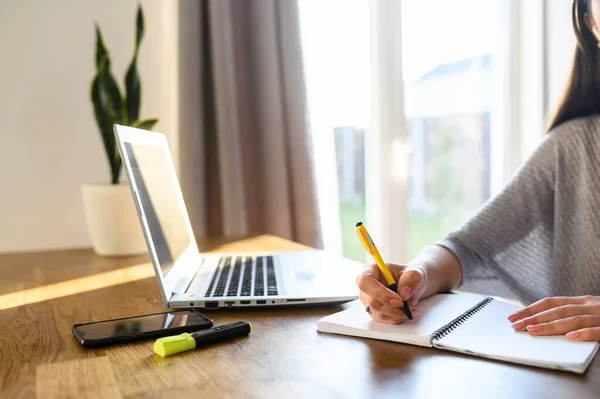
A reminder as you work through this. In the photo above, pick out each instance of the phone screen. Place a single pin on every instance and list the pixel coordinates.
(142, 324)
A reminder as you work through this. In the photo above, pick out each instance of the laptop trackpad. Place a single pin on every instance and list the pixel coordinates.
(318, 273)
(303, 276)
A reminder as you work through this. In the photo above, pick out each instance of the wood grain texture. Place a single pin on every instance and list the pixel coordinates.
(283, 357)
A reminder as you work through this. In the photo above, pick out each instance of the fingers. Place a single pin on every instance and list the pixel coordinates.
(585, 334)
(386, 305)
(545, 304)
(563, 326)
(368, 282)
(381, 310)
(557, 313)
(411, 284)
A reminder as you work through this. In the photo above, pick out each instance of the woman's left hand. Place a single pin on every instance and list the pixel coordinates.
(577, 317)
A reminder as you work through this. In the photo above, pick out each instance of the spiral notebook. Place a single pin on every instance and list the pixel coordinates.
(471, 324)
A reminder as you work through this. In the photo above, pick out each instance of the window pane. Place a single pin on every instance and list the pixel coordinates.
(336, 52)
(448, 53)
(350, 157)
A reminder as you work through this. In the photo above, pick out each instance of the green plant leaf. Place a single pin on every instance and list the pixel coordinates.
(113, 93)
(100, 48)
(107, 102)
(139, 32)
(132, 80)
(145, 124)
(102, 111)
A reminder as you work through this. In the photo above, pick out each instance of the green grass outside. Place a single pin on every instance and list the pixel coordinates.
(422, 230)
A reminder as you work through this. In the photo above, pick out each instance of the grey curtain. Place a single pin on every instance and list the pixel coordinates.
(244, 145)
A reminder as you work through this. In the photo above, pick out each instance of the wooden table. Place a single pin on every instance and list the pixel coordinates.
(43, 294)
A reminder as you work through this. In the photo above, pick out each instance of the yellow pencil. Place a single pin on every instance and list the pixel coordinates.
(369, 245)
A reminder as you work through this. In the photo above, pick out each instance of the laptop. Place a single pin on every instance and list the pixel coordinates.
(190, 279)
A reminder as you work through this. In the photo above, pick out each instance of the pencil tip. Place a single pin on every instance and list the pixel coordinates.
(358, 224)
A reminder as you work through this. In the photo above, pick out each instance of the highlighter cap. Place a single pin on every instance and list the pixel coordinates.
(166, 346)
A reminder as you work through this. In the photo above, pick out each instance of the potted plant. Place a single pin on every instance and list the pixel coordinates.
(109, 210)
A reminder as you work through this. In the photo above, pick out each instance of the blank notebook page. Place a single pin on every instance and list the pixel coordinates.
(488, 333)
(435, 312)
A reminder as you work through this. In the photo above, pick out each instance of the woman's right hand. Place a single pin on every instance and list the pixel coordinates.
(384, 305)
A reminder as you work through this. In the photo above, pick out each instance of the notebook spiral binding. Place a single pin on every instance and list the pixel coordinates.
(447, 329)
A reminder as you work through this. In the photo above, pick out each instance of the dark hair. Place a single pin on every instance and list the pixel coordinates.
(581, 93)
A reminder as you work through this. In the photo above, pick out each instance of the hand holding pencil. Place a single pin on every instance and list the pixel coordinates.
(389, 292)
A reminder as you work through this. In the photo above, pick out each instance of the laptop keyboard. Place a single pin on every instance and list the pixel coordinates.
(243, 276)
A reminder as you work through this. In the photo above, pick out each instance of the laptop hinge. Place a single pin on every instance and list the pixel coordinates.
(189, 283)
(184, 282)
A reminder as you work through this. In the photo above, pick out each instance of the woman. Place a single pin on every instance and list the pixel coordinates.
(539, 239)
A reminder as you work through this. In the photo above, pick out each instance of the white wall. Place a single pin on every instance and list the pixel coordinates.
(49, 142)
(560, 42)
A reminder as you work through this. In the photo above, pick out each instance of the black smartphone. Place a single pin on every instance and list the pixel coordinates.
(137, 328)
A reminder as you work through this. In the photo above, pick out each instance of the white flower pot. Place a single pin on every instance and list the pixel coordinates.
(112, 220)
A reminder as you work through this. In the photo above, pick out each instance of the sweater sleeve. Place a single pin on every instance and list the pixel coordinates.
(493, 245)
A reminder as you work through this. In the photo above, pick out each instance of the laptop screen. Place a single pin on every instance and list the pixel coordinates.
(151, 169)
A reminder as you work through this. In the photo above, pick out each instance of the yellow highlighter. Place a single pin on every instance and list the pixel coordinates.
(367, 242)
(167, 346)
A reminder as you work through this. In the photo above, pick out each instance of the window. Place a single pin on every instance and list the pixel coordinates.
(451, 67)
(335, 39)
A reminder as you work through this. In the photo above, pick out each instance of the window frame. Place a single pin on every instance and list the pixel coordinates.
(386, 150)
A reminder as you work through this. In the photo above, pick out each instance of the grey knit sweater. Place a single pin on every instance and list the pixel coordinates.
(541, 235)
